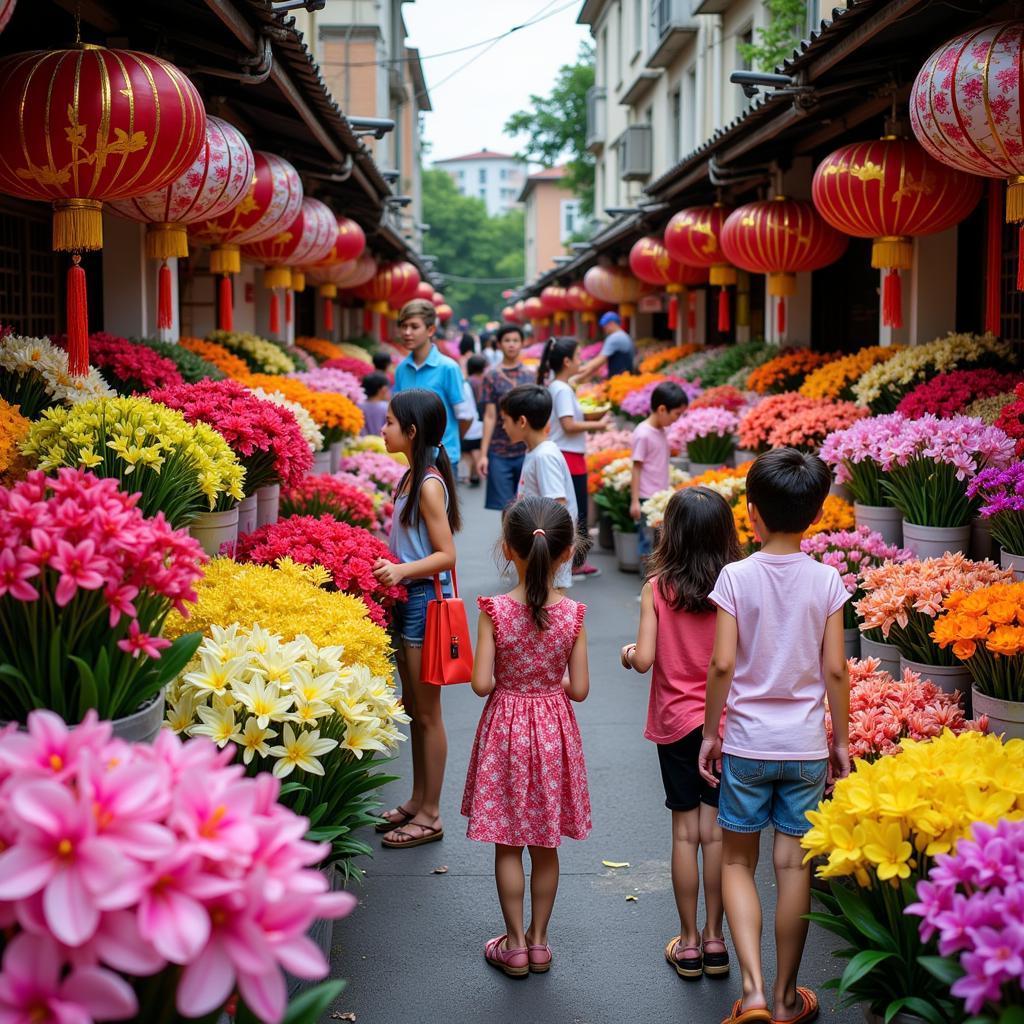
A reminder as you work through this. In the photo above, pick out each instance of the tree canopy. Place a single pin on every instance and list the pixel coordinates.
(556, 126)
(469, 244)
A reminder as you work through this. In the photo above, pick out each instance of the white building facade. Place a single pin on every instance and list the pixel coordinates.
(496, 178)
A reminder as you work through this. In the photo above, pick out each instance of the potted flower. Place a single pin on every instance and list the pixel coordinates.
(985, 631)
(598, 457)
(190, 366)
(966, 909)
(192, 886)
(340, 382)
(708, 436)
(950, 393)
(836, 378)
(612, 498)
(793, 420)
(34, 374)
(850, 553)
(226, 361)
(261, 354)
(786, 372)
(13, 430)
(854, 453)
(881, 832)
(334, 496)
(1001, 494)
(86, 582)
(902, 599)
(130, 368)
(836, 514)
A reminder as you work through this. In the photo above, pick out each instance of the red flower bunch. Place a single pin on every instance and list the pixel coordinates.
(725, 396)
(1011, 419)
(130, 369)
(266, 437)
(348, 553)
(328, 495)
(949, 393)
(791, 419)
(357, 367)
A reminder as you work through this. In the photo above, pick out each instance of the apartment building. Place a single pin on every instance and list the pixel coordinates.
(496, 178)
(552, 216)
(371, 71)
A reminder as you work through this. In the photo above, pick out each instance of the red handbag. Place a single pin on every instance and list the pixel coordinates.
(447, 649)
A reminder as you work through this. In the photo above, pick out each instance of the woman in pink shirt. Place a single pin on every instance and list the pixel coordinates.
(676, 636)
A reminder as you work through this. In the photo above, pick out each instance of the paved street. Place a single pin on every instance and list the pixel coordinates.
(413, 950)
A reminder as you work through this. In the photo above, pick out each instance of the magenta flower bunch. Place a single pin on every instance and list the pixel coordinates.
(86, 581)
(1001, 494)
(265, 436)
(357, 367)
(637, 404)
(949, 393)
(134, 878)
(973, 902)
(339, 381)
(128, 367)
(707, 434)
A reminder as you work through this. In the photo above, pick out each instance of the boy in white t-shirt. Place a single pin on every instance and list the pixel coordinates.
(525, 412)
(778, 652)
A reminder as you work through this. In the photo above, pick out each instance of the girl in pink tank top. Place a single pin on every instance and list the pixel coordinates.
(675, 640)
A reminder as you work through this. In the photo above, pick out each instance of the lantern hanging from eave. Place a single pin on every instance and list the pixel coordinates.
(349, 252)
(588, 306)
(616, 285)
(890, 190)
(437, 298)
(556, 303)
(270, 206)
(650, 261)
(85, 126)
(306, 241)
(508, 315)
(214, 183)
(330, 278)
(536, 312)
(692, 237)
(780, 237)
(392, 285)
(966, 110)
(444, 312)
(425, 291)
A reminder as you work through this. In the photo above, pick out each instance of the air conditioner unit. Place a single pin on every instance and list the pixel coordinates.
(635, 153)
(596, 117)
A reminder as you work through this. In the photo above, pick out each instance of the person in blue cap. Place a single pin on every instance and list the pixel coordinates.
(617, 352)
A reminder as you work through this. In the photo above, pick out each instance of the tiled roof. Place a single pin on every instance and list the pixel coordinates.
(483, 154)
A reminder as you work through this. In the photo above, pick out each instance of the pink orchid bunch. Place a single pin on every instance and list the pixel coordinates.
(884, 710)
(637, 404)
(973, 901)
(128, 367)
(327, 494)
(134, 878)
(265, 436)
(609, 440)
(86, 581)
(725, 396)
(339, 381)
(706, 434)
(357, 367)
(949, 393)
(380, 496)
(382, 471)
(850, 553)
(795, 421)
(855, 455)
(347, 552)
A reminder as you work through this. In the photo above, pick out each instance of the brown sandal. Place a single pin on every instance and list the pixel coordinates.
(390, 824)
(429, 834)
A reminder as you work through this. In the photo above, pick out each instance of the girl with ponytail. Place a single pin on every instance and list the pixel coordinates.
(568, 427)
(426, 516)
(527, 780)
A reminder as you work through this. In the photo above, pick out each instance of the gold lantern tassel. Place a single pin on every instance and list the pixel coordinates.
(277, 277)
(781, 284)
(166, 240)
(298, 281)
(722, 274)
(226, 259)
(77, 225)
(1015, 200)
(892, 251)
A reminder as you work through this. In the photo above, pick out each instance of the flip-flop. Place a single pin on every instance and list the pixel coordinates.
(740, 1016)
(432, 836)
(808, 1009)
(387, 825)
(514, 962)
(688, 967)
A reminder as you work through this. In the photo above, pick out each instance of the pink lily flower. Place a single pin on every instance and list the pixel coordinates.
(79, 566)
(16, 569)
(137, 642)
(49, 748)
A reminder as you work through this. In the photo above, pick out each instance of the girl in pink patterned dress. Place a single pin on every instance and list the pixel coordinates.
(527, 781)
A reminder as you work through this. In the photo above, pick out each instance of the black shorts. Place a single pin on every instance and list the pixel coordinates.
(684, 787)
(471, 446)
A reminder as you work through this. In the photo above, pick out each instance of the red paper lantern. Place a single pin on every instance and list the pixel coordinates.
(966, 110)
(692, 237)
(780, 237)
(393, 285)
(437, 298)
(330, 278)
(425, 291)
(617, 286)
(86, 126)
(556, 303)
(444, 312)
(508, 315)
(650, 261)
(588, 306)
(890, 190)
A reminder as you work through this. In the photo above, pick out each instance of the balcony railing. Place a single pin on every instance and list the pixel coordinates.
(672, 26)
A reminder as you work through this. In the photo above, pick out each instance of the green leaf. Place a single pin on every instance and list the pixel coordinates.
(852, 906)
(832, 923)
(919, 1006)
(863, 963)
(1012, 1015)
(308, 1007)
(174, 659)
(87, 695)
(945, 970)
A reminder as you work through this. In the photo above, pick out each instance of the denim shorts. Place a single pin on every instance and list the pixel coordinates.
(645, 538)
(755, 794)
(502, 481)
(409, 617)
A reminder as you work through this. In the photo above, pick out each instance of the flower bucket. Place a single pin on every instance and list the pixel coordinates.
(605, 535)
(883, 519)
(948, 678)
(321, 463)
(592, 515)
(247, 515)
(680, 462)
(933, 541)
(743, 455)
(851, 642)
(627, 551)
(268, 499)
(335, 453)
(696, 468)
(141, 726)
(1008, 560)
(982, 546)
(1005, 717)
(840, 491)
(212, 529)
(887, 654)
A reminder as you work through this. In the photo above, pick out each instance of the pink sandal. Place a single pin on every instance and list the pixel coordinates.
(514, 962)
(540, 958)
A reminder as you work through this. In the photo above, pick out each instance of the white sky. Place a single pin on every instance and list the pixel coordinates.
(471, 108)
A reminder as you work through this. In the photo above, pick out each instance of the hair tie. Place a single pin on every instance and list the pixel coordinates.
(540, 531)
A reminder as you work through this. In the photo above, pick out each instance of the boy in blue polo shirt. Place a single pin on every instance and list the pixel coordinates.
(425, 367)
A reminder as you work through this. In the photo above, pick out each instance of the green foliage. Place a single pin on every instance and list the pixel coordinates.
(306, 1008)
(468, 243)
(776, 42)
(191, 367)
(556, 126)
(733, 359)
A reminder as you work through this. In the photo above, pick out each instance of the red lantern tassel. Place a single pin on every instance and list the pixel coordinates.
(164, 314)
(367, 321)
(673, 312)
(892, 299)
(625, 324)
(994, 257)
(592, 332)
(1020, 259)
(691, 312)
(287, 305)
(780, 316)
(329, 316)
(227, 304)
(724, 326)
(78, 319)
(383, 327)
(275, 313)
